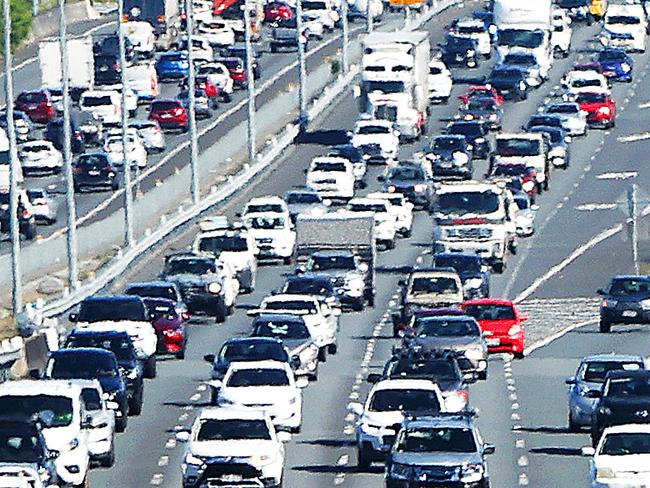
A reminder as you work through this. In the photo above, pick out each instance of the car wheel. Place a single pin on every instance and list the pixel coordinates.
(227, 98)
(30, 232)
(499, 267)
(115, 186)
(357, 306)
(519, 355)
(181, 354)
(221, 312)
(286, 260)
(135, 403)
(573, 427)
(396, 330)
(322, 354)
(150, 367)
(371, 300)
(120, 423)
(604, 326)
(482, 375)
(108, 460)
(332, 349)
(364, 458)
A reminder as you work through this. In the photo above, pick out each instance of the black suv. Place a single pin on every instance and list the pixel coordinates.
(460, 50)
(451, 157)
(510, 82)
(476, 134)
(93, 171)
(624, 399)
(626, 300)
(55, 134)
(120, 344)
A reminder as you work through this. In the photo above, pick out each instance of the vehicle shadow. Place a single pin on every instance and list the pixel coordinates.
(368, 337)
(557, 451)
(324, 137)
(329, 442)
(185, 403)
(545, 429)
(336, 469)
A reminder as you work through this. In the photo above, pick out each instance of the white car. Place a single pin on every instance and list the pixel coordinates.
(440, 82)
(102, 104)
(385, 221)
(525, 215)
(150, 134)
(240, 435)
(401, 208)
(331, 177)
(142, 37)
(217, 32)
(269, 386)
(322, 320)
(44, 207)
(274, 235)
(201, 48)
(561, 32)
(622, 457)
(384, 409)
(625, 27)
(574, 120)
(323, 11)
(266, 205)
(136, 152)
(40, 156)
(379, 132)
(475, 29)
(313, 25)
(585, 82)
(142, 79)
(219, 76)
(67, 432)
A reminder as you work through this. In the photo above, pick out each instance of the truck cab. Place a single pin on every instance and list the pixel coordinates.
(397, 108)
(527, 148)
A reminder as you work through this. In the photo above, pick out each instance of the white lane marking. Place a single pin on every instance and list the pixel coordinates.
(157, 479)
(343, 460)
(590, 207)
(195, 397)
(641, 136)
(622, 175)
(163, 461)
(171, 443)
(523, 480)
(522, 461)
(552, 338)
(520, 444)
(644, 105)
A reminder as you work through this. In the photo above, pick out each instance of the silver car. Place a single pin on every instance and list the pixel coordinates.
(151, 134)
(44, 206)
(589, 379)
(574, 120)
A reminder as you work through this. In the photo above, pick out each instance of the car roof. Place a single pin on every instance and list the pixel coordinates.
(286, 297)
(612, 357)
(153, 283)
(231, 413)
(405, 384)
(489, 301)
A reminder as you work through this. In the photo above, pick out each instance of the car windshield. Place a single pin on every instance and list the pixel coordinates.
(586, 82)
(409, 400)
(333, 262)
(281, 329)
(506, 74)
(518, 146)
(18, 446)
(556, 134)
(300, 305)
(265, 223)
(310, 5)
(384, 86)
(112, 310)
(258, 377)
(373, 129)
(591, 98)
(510, 170)
(462, 264)
(459, 43)
(92, 400)
(217, 244)
(622, 19)
(264, 208)
(572, 3)
(92, 161)
(253, 351)
(596, 371)
(481, 104)
(96, 101)
(444, 439)
(470, 29)
(625, 444)
(448, 144)
(520, 59)
(233, 429)
(612, 55)
(468, 202)
(307, 286)
(161, 308)
(521, 38)
(545, 121)
(435, 327)
(296, 198)
(153, 291)
(628, 387)
(423, 285)
(329, 166)
(83, 366)
(163, 106)
(29, 405)
(406, 173)
(466, 129)
(367, 207)
(35, 148)
(120, 346)
(631, 286)
(190, 266)
(491, 312)
(32, 97)
(434, 369)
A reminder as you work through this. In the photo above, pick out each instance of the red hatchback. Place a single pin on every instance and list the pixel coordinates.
(37, 105)
(277, 11)
(170, 114)
(501, 322)
(600, 108)
(169, 326)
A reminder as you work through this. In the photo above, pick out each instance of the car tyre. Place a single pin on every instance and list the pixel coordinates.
(108, 460)
(150, 367)
(332, 349)
(120, 423)
(221, 312)
(573, 427)
(181, 354)
(604, 326)
(135, 403)
(499, 267)
(364, 458)
(322, 354)
(482, 375)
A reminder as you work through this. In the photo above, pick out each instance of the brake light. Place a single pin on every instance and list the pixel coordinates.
(25, 214)
(161, 18)
(78, 171)
(178, 111)
(185, 316)
(475, 221)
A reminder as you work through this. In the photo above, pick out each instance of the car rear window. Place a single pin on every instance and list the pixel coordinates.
(32, 97)
(155, 106)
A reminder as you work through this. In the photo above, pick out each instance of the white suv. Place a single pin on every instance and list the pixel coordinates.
(331, 177)
(385, 221)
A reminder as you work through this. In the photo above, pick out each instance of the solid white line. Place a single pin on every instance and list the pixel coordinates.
(552, 338)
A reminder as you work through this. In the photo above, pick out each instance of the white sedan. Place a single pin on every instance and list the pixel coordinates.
(379, 132)
(385, 221)
(40, 156)
(401, 208)
(136, 152)
(217, 33)
(331, 177)
(269, 386)
(440, 82)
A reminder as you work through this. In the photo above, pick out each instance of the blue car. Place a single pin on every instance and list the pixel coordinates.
(472, 270)
(172, 66)
(588, 381)
(616, 64)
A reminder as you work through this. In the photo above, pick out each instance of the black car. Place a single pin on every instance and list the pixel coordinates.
(460, 50)
(159, 289)
(626, 300)
(483, 109)
(544, 120)
(108, 70)
(94, 171)
(120, 344)
(527, 63)
(476, 134)
(54, 132)
(111, 45)
(412, 181)
(451, 156)
(578, 10)
(510, 82)
(26, 220)
(318, 284)
(91, 363)
(472, 270)
(623, 399)
(239, 51)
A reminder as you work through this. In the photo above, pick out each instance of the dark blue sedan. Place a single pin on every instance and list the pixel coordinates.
(172, 66)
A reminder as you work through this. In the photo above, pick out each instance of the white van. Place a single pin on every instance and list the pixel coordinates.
(625, 28)
(102, 104)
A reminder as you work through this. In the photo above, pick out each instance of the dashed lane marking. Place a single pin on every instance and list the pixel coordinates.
(622, 175)
(590, 207)
(641, 136)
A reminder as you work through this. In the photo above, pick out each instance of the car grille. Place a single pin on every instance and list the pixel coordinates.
(437, 473)
(470, 233)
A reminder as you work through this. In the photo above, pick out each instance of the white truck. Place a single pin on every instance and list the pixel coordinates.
(81, 64)
(625, 27)
(478, 218)
(395, 70)
(525, 25)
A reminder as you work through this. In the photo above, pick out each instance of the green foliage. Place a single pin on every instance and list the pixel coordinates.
(21, 21)
(335, 67)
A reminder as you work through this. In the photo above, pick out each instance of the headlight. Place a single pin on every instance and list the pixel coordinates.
(472, 473)
(610, 303)
(645, 304)
(474, 353)
(192, 459)
(514, 330)
(420, 188)
(626, 68)
(214, 288)
(605, 473)
(528, 186)
(391, 189)
(400, 471)
(479, 140)
(473, 283)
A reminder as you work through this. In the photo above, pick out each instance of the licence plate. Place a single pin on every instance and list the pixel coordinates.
(232, 477)
(93, 172)
(494, 341)
(629, 313)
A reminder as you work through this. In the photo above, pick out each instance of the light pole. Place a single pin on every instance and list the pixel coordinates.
(17, 289)
(194, 145)
(346, 36)
(369, 23)
(71, 241)
(302, 42)
(250, 77)
(632, 206)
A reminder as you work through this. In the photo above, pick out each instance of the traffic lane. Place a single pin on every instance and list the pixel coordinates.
(554, 457)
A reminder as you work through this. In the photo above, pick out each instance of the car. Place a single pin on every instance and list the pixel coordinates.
(562, 33)
(356, 156)
(524, 60)
(528, 150)
(203, 105)
(438, 450)
(268, 386)
(121, 313)
(451, 332)
(320, 285)
(576, 82)
(22, 124)
(589, 378)
(313, 25)
(44, 206)
(385, 221)
(201, 48)
(217, 33)
(37, 104)
(172, 66)
(170, 114)
(219, 75)
(274, 235)
(460, 50)
(622, 399)
(54, 133)
(104, 105)
(616, 64)
(476, 135)
(450, 156)
(501, 324)
(381, 417)
(111, 45)
(625, 300)
(159, 289)
(621, 456)
(439, 82)
(141, 36)
(136, 154)
(472, 270)
(169, 326)
(269, 204)
(578, 10)
(380, 132)
(543, 119)
(574, 120)
(40, 156)
(95, 170)
(151, 134)
(332, 177)
(521, 172)
(237, 69)
(121, 345)
(525, 214)
(142, 80)
(239, 51)
(400, 207)
(600, 108)
(107, 69)
(485, 110)
(276, 11)
(25, 215)
(218, 433)
(413, 181)
(482, 91)
(559, 150)
(91, 129)
(305, 202)
(324, 11)
(510, 82)
(475, 29)
(296, 338)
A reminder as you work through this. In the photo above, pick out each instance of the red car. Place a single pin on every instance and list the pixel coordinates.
(237, 70)
(501, 322)
(277, 11)
(37, 105)
(482, 91)
(169, 326)
(170, 114)
(600, 108)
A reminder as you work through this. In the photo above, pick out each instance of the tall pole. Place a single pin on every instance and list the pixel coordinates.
(194, 145)
(369, 23)
(632, 204)
(35, 7)
(128, 193)
(302, 42)
(73, 273)
(250, 77)
(17, 289)
(346, 36)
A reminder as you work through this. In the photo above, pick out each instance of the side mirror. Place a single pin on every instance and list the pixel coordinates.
(567, 139)
(523, 318)
(594, 394)
(73, 317)
(302, 382)
(356, 408)
(600, 291)
(374, 378)
(295, 361)
(588, 451)
(571, 380)
(283, 436)
(209, 358)
(489, 448)
(182, 436)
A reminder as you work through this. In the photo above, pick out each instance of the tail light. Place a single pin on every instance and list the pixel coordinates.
(185, 316)
(25, 214)
(78, 171)
(161, 18)
(183, 16)
(178, 111)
